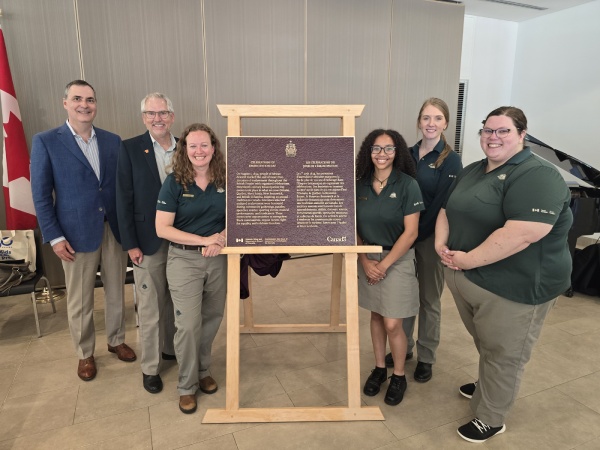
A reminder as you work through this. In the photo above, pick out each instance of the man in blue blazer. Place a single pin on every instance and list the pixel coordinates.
(141, 170)
(73, 181)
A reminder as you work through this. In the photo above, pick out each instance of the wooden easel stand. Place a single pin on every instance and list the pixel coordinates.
(344, 258)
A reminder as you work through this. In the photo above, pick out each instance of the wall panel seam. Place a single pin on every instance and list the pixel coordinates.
(79, 47)
(305, 62)
(205, 62)
(389, 71)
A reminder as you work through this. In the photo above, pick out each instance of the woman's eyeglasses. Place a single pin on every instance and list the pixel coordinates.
(376, 149)
(500, 132)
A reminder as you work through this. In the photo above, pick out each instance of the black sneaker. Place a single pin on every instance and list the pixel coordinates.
(396, 390)
(389, 359)
(375, 380)
(476, 431)
(467, 390)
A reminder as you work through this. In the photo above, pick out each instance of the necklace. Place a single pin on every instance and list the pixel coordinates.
(381, 181)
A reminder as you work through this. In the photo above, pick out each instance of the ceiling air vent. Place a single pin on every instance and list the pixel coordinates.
(520, 5)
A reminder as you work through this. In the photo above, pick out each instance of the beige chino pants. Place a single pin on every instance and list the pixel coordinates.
(80, 279)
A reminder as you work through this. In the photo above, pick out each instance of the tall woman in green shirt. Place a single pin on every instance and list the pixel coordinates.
(388, 203)
(437, 167)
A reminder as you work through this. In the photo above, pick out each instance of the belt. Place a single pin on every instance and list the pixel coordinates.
(388, 248)
(195, 248)
(384, 247)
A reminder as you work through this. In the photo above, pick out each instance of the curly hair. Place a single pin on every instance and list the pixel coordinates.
(182, 166)
(443, 107)
(403, 162)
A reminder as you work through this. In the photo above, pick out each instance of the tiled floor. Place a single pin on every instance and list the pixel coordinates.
(44, 405)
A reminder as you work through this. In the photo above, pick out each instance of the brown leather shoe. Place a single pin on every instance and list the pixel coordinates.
(187, 404)
(208, 385)
(87, 369)
(123, 351)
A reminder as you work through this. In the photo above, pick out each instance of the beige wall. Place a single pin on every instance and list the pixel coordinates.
(387, 54)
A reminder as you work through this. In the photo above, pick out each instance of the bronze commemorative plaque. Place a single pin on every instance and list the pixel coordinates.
(290, 191)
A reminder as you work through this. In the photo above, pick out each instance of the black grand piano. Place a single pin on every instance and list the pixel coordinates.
(583, 181)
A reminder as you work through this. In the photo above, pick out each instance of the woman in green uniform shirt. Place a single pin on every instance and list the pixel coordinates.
(437, 167)
(191, 215)
(502, 237)
(388, 203)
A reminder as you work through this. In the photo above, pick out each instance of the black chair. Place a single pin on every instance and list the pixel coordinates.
(29, 286)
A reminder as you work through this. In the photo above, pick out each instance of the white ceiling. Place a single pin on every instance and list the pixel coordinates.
(516, 13)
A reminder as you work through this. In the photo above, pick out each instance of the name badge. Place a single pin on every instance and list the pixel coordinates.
(187, 195)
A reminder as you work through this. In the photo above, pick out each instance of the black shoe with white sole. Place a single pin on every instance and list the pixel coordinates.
(467, 390)
(476, 431)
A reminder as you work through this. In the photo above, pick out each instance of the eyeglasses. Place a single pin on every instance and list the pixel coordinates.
(388, 149)
(153, 114)
(500, 132)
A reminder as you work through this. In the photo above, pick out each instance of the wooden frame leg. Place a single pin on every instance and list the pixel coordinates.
(352, 337)
(336, 290)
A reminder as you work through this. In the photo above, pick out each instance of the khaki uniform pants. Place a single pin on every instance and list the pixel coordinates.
(431, 284)
(504, 333)
(198, 289)
(155, 309)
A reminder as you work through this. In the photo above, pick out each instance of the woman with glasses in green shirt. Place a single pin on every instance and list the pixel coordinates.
(502, 237)
(388, 204)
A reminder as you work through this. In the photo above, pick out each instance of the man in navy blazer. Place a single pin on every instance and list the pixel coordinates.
(141, 170)
(73, 181)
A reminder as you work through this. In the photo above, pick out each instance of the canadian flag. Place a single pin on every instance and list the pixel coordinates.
(20, 214)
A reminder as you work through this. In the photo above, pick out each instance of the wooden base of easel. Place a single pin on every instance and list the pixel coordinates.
(325, 414)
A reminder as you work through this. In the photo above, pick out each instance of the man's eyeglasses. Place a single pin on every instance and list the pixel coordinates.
(376, 149)
(500, 132)
(153, 114)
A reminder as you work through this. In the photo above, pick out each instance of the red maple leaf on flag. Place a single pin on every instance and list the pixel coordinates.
(15, 138)
(16, 179)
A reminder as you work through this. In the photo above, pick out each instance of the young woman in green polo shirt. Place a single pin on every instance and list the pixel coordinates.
(388, 203)
(437, 167)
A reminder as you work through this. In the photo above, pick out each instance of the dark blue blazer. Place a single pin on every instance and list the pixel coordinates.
(138, 185)
(69, 199)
